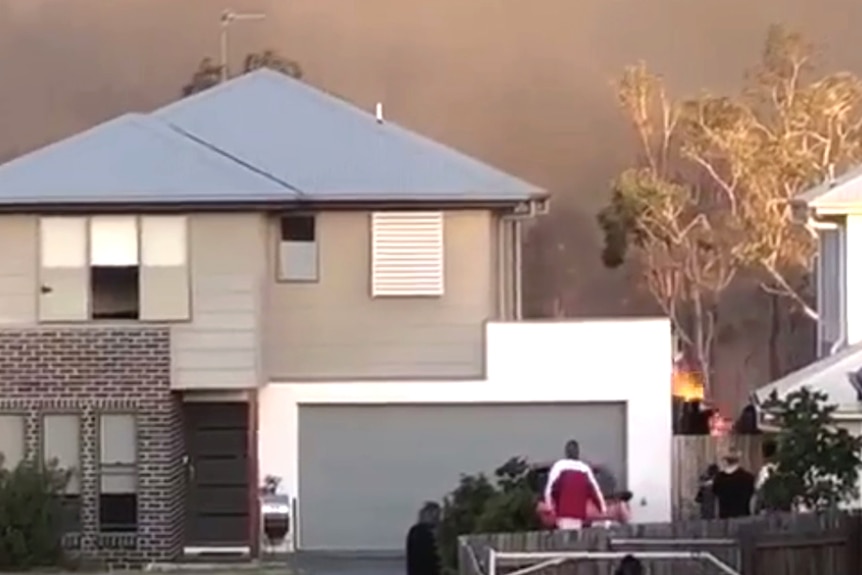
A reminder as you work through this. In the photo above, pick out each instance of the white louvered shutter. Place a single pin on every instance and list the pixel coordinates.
(406, 254)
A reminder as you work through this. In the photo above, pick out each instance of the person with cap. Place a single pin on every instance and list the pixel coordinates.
(571, 488)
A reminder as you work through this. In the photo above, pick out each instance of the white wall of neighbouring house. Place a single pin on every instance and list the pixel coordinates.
(839, 285)
(831, 290)
(526, 362)
(853, 278)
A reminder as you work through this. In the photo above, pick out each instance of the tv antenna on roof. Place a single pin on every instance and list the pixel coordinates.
(228, 17)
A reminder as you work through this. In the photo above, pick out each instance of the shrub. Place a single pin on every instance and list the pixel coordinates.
(31, 516)
(482, 505)
(816, 462)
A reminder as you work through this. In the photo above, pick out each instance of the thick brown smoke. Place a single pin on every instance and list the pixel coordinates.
(523, 84)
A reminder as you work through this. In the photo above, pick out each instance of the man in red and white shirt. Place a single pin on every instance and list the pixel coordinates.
(571, 487)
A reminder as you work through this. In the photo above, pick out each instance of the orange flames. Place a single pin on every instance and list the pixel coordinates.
(687, 385)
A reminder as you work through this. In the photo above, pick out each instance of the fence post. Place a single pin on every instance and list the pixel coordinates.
(747, 538)
(854, 543)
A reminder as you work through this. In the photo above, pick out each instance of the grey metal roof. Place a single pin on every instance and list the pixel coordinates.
(845, 191)
(262, 137)
(330, 150)
(133, 158)
(829, 375)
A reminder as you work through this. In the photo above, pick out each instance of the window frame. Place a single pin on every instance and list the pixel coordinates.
(88, 267)
(377, 222)
(280, 276)
(99, 465)
(22, 415)
(67, 501)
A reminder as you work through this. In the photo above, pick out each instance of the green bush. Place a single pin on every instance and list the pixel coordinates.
(816, 462)
(31, 516)
(482, 505)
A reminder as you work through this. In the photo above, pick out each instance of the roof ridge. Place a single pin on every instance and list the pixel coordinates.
(238, 161)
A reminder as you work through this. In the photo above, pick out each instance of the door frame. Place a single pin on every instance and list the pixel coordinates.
(252, 549)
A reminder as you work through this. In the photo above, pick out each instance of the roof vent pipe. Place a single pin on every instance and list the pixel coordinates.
(378, 112)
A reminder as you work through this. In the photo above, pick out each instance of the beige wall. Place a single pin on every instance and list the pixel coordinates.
(19, 270)
(220, 347)
(334, 329)
(247, 328)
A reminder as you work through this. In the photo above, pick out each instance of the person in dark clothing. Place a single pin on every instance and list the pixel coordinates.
(733, 488)
(705, 496)
(629, 565)
(423, 555)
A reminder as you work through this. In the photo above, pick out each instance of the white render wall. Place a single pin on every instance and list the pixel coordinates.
(853, 275)
(541, 362)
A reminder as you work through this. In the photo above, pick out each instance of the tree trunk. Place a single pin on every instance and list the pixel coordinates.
(703, 331)
(776, 369)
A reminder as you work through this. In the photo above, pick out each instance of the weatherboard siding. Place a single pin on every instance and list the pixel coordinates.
(334, 329)
(247, 328)
(220, 347)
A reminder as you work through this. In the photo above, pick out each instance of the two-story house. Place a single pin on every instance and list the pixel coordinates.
(158, 269)
(833, 211)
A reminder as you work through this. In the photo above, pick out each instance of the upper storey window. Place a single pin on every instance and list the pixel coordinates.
(297, 248)
(114, 267)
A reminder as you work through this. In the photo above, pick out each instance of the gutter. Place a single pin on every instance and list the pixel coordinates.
(525, 211)
(515, 206)
(836, 209)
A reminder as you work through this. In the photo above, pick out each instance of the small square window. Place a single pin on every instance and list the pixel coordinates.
(297, 248)
(115, 292)
(297, 228)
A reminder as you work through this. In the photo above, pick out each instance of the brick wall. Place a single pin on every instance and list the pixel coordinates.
(93, 369)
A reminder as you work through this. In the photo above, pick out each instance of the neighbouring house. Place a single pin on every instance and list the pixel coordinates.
(263, 279)
(833, 211)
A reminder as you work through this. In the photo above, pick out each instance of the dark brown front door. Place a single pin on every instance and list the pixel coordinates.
(218, 499)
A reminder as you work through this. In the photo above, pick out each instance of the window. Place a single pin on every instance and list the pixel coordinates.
(64, 289)
(407, 254)
(297, 248)
(165, 287)
(114, 268)
(61, 446)
(831, 274)
(11, 441)
(118, 473)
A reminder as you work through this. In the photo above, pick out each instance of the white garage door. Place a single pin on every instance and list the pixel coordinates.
(364, 470)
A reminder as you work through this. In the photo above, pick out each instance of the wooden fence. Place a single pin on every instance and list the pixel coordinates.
(781, 544)
(691, 456)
